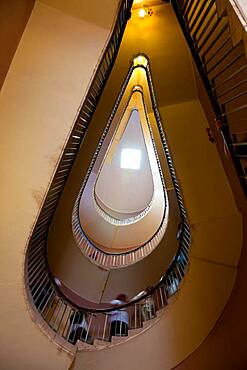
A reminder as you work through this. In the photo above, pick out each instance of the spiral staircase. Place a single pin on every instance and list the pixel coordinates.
(196, 111)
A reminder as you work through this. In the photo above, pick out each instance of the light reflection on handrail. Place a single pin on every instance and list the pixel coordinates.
(64, 317)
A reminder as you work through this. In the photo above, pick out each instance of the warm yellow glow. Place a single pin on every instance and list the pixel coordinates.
(140, 61)
(137, 88)
(142, 12)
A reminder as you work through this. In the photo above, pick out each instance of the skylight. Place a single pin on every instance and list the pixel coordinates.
(131, 159)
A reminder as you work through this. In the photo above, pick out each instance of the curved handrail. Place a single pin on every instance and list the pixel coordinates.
(219, 62)
(64, 317)
(100, 256)
(99, 204)
(124, 221)
(36, 258)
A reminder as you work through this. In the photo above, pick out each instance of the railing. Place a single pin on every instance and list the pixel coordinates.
(72, 322)
(65, 318)
(99, 256)
(38, 277)
(113, 260)
(223, 68)
(128, 220)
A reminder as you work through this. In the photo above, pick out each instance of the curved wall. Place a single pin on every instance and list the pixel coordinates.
(13, 19)
(216, 246)
(19, 105)
(117, 187)
(178, 85)
(38, 104)
(216, 227)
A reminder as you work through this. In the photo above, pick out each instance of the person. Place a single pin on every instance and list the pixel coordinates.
(78, 327)
(119, 318)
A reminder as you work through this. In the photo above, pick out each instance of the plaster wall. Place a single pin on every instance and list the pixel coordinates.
(27, 112)
(216, 229)
(14, 15)
(207, 194)
(39, 101)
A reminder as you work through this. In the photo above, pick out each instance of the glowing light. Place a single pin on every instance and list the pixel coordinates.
(140, 61)
(131, 159)
(142, 12)
(137, 88)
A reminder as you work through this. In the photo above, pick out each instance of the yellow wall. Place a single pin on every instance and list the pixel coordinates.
(216, 228)
(39, 101)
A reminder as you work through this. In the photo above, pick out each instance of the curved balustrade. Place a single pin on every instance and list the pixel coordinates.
(110, 260)
(72, 322)
(75, 323)
(222, 66)
(99, 256)
(66, 319)
(36, 262)
(117, 221)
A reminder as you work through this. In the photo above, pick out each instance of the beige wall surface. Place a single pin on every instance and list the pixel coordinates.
(206, 192)
(176, 84)
(226, 348)
(14, 15)
(216, 228)
(38, 104)
(39, 101)
(183, 326)
(113, 180)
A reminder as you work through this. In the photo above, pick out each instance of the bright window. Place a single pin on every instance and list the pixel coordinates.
(131, 159)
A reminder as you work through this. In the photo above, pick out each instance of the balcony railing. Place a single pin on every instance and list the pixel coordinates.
(75, 323)
(38, 277)
(223, 69)
(64, 317)
(99, 256)
(117, 221)
(72, 322)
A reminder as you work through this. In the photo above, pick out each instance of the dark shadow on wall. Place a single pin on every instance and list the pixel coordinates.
(225, 348)
(14, 15)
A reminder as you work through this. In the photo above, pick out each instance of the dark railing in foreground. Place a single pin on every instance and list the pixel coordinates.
(65, 318)
(38, 278)
(72, 322)
(223, 69)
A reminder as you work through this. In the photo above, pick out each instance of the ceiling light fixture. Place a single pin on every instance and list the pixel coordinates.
(140, 61)
(144, 11)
